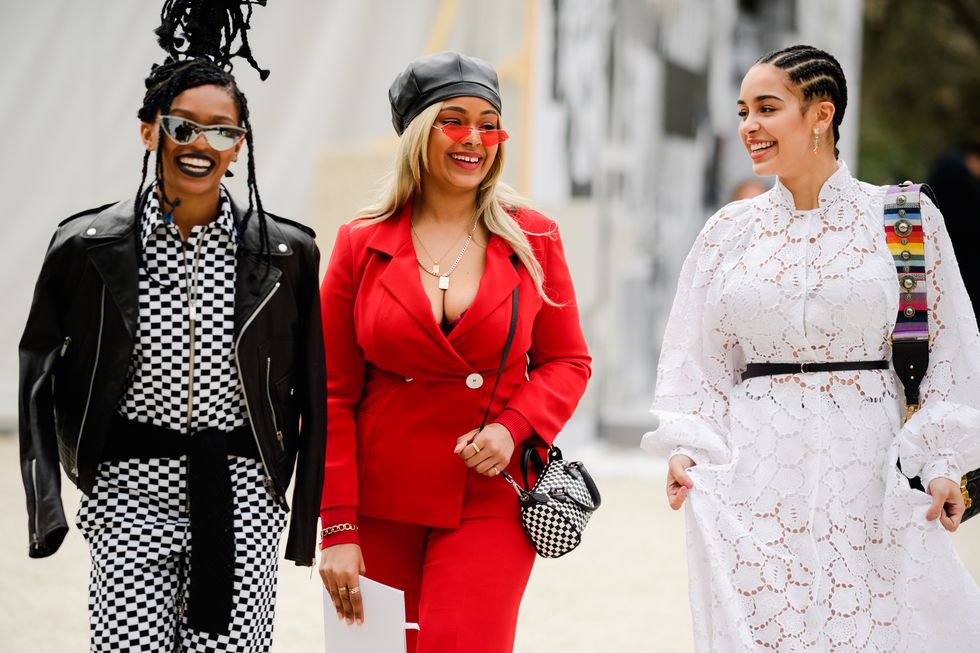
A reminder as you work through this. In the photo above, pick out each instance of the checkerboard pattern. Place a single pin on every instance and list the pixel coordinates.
(555, 526)
(138, 530)
(159, 379)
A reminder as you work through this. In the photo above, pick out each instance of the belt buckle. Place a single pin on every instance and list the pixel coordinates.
(803, 369)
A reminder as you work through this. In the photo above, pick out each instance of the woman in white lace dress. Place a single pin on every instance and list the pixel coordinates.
(802, 533)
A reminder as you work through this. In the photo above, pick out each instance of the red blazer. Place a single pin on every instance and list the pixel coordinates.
(400, 392)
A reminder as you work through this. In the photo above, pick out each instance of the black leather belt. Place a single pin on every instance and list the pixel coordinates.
(211, 502)
(770, 369)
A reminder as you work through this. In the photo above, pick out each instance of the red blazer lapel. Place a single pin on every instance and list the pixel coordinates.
(496, 286)
(401, 276)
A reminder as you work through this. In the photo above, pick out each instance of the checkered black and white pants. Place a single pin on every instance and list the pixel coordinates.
(138, 530)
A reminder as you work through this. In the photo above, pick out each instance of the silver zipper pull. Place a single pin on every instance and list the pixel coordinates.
(282, 444)
(64, 345)
(270, 486)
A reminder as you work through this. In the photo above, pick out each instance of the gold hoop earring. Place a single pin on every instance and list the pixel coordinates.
(816, 140)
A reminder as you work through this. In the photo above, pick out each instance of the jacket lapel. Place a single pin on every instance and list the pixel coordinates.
(110, 237)
(253, 281)
(496, 286)
(401, 275)
(111, 240)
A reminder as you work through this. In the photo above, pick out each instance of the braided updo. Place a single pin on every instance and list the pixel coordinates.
(817, 74)
(198, 36)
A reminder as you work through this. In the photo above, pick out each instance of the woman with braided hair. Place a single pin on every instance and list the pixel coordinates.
(780, 416)
(172, 364)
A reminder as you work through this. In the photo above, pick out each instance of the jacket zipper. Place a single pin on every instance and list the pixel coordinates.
(61, 354)
(192, 294)
(272, 407)
(192, 309)
(91, 384)
(35, 538)
(269, 485)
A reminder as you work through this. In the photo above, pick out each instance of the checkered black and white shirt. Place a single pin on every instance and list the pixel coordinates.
(159, 379)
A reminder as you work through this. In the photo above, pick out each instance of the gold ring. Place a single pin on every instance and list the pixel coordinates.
(474, 445)
(495, 470)
(355, 590)
(343, 588)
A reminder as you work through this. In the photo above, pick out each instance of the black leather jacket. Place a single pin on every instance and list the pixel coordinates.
(76, 348)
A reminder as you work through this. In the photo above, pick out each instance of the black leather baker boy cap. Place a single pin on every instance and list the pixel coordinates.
(438, 77)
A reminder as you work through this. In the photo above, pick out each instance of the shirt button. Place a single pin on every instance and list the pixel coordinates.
(90, 231)
(474, 381)
(282, 247)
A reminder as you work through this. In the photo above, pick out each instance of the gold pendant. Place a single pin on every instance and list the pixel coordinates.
(444, 282)
(435, 268)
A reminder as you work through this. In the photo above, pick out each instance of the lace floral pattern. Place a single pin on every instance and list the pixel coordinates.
(802, 533)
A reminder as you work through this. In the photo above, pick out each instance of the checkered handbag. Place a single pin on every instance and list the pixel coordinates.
(556, 510)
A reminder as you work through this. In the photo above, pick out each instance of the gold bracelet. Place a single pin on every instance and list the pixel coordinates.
(337, 528)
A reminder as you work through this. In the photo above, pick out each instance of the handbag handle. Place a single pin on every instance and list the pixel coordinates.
(531, 458)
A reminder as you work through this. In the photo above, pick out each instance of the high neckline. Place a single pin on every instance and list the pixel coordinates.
(835, 187)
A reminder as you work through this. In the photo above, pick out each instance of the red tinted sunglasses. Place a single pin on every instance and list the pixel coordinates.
(459, 133)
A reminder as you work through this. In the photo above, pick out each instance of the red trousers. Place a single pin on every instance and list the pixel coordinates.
(462, 586)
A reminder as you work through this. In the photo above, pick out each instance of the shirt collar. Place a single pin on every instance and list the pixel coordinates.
(838, 185)
(152, 218)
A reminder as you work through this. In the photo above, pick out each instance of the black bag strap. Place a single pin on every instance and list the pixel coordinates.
(507, 344)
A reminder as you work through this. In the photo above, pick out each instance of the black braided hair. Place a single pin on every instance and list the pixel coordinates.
(198, 36)
(817, 74)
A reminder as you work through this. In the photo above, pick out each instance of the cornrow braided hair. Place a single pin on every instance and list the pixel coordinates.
(198, 36)
(817, 74)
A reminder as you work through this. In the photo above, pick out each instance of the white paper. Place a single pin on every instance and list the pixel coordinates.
(383, 630)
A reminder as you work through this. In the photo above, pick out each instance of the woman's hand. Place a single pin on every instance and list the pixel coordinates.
(947, 503)
(487, 451)
(678, 482)
(340, 566)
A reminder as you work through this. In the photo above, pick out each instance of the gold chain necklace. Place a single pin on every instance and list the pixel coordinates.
(434, 271)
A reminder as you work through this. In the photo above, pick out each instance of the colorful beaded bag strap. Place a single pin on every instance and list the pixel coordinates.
(910, 340)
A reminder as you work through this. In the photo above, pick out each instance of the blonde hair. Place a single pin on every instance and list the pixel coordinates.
(493, 197)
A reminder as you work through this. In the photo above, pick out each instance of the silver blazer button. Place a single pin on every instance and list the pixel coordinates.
(474, 381)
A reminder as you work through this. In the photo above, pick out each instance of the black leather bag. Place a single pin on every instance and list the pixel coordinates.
(970, 487)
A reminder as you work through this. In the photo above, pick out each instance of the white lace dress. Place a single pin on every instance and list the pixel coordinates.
(802, 534)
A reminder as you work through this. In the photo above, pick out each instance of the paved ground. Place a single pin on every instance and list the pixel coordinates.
(624, 590)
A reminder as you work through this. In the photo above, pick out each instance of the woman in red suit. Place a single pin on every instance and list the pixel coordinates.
(417, 305)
